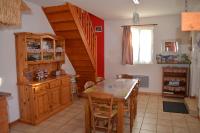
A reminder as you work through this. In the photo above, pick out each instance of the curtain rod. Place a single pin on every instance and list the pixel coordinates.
(140, 25)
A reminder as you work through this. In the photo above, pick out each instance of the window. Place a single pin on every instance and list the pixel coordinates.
(142, 42)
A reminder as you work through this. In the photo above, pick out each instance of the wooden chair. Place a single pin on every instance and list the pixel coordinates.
(124, 76)
(99, 79)
(89, 84)
(101, 107)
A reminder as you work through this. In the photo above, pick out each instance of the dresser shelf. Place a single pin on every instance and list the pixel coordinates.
(175, 82)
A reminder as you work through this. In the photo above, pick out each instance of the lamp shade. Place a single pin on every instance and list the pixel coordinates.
(136, 18)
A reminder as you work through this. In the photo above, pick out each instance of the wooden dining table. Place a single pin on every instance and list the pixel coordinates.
(122, 90)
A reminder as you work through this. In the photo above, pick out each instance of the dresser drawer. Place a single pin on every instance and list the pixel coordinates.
(41, 88)
(55, 83)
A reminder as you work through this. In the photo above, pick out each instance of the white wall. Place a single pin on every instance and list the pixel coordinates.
(34, 22)
(166, 29)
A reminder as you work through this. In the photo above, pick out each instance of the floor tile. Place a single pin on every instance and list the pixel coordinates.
(164, 129)
(150, 115)
(180, 129)
(150, 121)
(147, 131)
(164, 115)
(137, 124)
(151, 127)
(191, 119)
(164, 122)
(136, 130)
(177, 116)
(179, 123)
(139, 119)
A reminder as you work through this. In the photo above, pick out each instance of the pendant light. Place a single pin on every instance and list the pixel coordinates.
(136, 16)
(137, 2)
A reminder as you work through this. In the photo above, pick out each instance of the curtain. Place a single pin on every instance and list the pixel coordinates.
(127, 49)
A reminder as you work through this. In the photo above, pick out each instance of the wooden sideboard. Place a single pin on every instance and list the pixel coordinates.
(41, 96)
(40, 100)
(4, 128)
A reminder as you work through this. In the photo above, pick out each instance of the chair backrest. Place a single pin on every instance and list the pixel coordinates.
(99, 79)
(89, 84)
(100, 104)
(124, 76)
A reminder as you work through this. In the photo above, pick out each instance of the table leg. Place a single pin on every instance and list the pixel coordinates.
(120, 117)
(131, 111)
(87, 118)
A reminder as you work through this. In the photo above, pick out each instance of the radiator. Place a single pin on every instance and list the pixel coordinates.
(144, 80)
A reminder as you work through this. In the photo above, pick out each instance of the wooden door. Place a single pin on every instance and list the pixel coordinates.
(65, 95)
(65, 91)
(54, 97)
(42, 104)
(25, 104)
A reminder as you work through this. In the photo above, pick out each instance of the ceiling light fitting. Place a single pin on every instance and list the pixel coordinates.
(136, 18)
(136, 2)
(186, 5)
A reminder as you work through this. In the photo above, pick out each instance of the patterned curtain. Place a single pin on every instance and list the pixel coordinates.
(127, 49)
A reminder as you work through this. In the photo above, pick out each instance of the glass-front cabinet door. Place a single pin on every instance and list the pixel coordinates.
(59, 50)
(33, 49)
(48, 48)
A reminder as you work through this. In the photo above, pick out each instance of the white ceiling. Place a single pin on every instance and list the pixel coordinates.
(123, 9)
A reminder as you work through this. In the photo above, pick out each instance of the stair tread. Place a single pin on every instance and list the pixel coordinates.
(55, 9)
(65, 26)
(59, 17)
(60, 21)
(69, 34)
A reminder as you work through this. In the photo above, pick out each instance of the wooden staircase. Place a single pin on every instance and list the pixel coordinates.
(75, 26)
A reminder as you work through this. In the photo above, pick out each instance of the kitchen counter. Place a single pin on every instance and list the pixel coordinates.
(4, 94)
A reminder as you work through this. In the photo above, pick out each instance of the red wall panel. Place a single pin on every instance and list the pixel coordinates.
(100, 44)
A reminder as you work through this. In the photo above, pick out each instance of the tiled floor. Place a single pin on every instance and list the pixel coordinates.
(150, 119)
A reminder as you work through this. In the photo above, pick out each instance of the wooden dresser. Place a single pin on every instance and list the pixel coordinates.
(4, 128)
(41, 96)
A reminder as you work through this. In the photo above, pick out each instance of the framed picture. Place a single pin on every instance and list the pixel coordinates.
(98, 28)
(171, 46)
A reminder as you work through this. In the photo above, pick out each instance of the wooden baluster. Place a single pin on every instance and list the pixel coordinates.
(88, 30)
(95, 49)
(87, 33)
(85, 20)
(91, 42)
